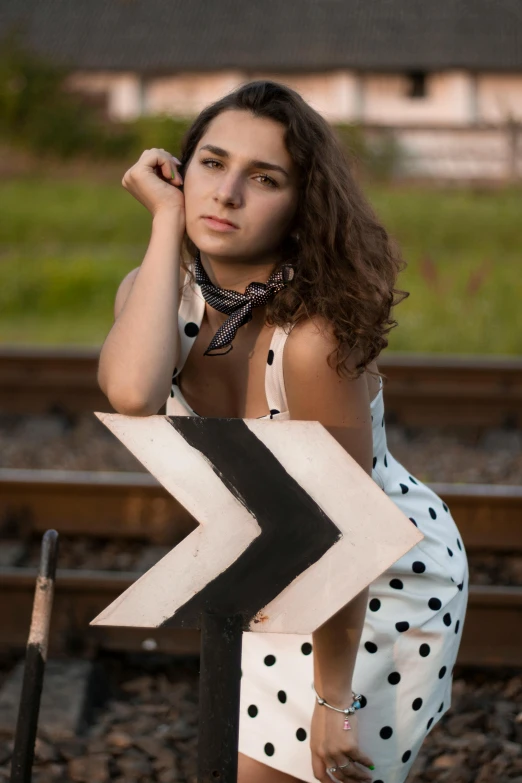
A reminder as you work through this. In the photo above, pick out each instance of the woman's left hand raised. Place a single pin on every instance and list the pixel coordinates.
(333, 746)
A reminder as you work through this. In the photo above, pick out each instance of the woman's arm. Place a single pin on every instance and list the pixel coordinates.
(315, 392)
(142, 347)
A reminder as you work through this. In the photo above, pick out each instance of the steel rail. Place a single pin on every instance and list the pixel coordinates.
(492, 632)
(132, 505)
(419, 389)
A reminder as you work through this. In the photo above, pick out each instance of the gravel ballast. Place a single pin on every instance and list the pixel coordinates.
(147, 730)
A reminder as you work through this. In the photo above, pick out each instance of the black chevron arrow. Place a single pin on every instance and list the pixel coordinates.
(295, 532)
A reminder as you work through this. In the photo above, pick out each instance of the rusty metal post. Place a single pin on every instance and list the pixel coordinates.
(36, 656)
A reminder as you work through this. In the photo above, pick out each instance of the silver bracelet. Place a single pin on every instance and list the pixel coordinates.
(356, 705)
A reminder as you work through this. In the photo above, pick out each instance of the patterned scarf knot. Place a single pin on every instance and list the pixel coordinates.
(237, 306)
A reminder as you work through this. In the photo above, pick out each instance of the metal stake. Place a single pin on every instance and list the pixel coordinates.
(36, 656)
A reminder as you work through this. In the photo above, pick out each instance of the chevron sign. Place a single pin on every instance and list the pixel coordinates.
(291, 527)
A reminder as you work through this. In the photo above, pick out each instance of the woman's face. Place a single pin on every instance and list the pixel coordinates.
(241, 172)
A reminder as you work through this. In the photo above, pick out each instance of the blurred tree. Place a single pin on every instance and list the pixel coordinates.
(37, 113)
(377, 158)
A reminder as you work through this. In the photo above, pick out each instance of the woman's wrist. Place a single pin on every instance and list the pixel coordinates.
(340, 697)
(335, 647)
(334, 661)
(172, 220)
(333, 684)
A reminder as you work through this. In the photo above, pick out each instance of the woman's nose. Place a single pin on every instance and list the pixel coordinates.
(229, 191)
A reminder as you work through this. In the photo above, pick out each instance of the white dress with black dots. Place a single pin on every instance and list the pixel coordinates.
(411, 632)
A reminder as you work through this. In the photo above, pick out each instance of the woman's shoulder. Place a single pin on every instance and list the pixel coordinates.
(309, 346)
(313, 339)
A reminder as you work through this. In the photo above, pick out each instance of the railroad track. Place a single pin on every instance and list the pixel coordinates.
(420, 389)
(126, 505)
(134, 507)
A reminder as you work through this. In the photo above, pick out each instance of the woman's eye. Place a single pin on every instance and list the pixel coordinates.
(210, 160)
(267, 180)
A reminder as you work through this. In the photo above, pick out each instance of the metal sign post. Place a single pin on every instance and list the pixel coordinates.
(291, 529)
(219, 697)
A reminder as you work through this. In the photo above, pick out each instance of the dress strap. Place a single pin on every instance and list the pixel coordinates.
(190, 315)
(274, 378)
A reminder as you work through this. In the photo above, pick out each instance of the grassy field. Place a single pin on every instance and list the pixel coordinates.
(66, 244)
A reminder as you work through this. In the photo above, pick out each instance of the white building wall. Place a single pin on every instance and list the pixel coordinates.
(499, 97)
(453, 97)
(448, 99)
(332, 94)
(126, 92)
(186, 94)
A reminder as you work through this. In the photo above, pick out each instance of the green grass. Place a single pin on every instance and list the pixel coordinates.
(65, 245)
(464, 273)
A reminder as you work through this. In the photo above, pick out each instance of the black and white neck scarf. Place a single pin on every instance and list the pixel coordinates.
(237, 306)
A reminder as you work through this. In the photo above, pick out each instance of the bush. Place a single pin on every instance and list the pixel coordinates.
(377, 158)
(38, 114)
(158, 131)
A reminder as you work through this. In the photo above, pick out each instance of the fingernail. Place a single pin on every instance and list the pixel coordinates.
(372, 766)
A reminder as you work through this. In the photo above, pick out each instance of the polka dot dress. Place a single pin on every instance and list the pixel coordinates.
(411, 633)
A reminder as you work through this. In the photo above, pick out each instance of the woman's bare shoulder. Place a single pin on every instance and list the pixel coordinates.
(309, 345)
(312, 339)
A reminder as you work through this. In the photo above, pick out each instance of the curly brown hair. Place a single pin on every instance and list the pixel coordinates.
(346, 264)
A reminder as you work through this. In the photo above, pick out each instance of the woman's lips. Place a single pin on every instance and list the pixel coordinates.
(217, 225)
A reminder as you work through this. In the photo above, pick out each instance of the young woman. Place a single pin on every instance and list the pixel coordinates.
(282, 310)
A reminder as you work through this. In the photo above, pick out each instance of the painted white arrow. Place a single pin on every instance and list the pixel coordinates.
(291, 527)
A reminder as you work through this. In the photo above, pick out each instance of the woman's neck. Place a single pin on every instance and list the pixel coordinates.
(236, 275)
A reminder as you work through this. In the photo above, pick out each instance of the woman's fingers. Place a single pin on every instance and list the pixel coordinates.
(347, 767)
(173, 172)
(151, 182)
(169, 168)
(349, 770)
(331, 775)
(318, 767)
(167, 164)
(362, 758)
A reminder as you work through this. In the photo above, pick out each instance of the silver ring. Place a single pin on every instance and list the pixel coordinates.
(332, 769)
(350, 761)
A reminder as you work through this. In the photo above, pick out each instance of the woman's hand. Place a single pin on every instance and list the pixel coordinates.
(152, 183)
(333, 746)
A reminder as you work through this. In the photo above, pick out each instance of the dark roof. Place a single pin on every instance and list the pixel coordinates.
(154, 36)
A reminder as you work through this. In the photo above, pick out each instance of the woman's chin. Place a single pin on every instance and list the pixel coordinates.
(210, 242)
(220, 246)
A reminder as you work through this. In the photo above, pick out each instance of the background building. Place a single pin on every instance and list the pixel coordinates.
(445, 76)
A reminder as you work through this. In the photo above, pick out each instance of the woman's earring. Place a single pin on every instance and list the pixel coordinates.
(288, 273)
